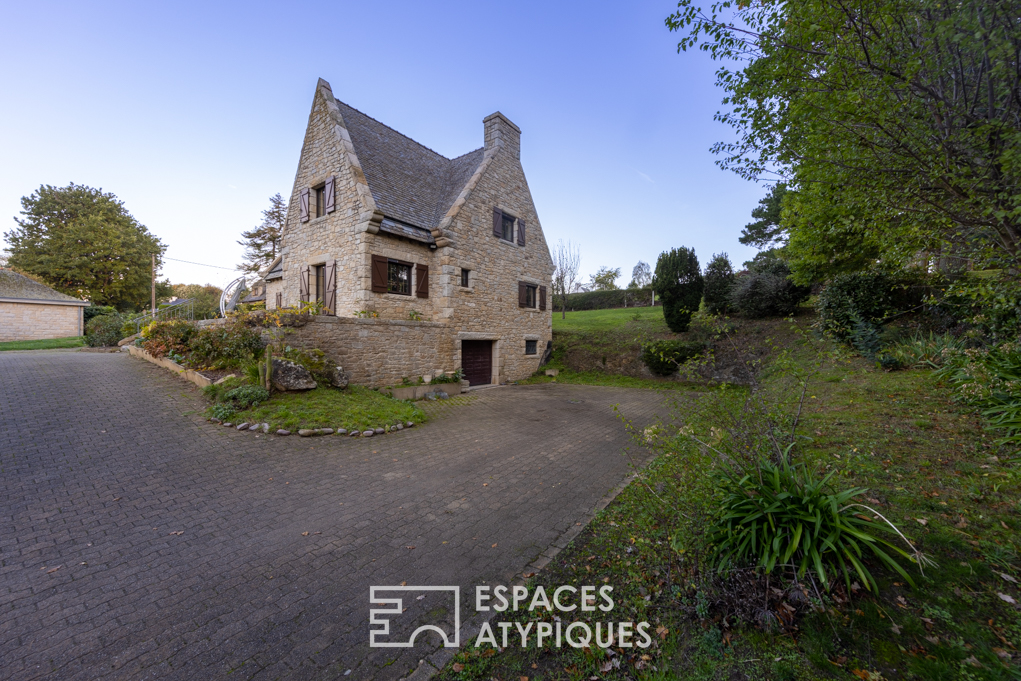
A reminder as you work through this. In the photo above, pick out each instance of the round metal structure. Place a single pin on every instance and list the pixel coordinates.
(232, 293)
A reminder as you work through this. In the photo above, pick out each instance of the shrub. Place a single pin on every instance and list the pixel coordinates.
(871, 296)
(168, 337)
(96, 311)
(678, 282)
(223, 411)
(245, 396)
(719, 281)
(767, 291)
(782, 513)
(664, 357)
(225, 346)
(104, 330)
(989, 380)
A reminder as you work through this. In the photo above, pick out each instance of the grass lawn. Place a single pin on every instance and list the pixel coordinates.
(928, 466)
(647, 319)
(354, 408)
(45, 344)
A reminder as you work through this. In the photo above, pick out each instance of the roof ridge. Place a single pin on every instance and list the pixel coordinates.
(466, 153)
(398, 132)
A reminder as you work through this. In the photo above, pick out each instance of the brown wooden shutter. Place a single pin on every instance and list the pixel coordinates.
(379, 275)
(497, 223)
(303, 284)
(521, 232)
(330, 298)
(522, 294)
(422, 281)
(280, 300)
(304, 204)
(331, 203)
(542, 297)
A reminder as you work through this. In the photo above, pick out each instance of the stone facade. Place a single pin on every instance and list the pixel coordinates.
(39, 320)
(382, 178)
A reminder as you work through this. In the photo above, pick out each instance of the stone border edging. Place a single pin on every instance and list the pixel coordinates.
(187, 374)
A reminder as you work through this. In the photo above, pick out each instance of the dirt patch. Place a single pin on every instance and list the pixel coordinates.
(215, 375)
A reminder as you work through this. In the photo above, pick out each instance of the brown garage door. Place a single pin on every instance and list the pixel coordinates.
(477, 361)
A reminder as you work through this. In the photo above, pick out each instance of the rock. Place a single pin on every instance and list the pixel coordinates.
(338, 379)
(242, 426)
(228, 376)
(368, 433)
(265, 427)
(306, 432)
(409, 424)
(379, 431)
(126, 341)
(288, 375)
(216, 420)
(431, 396)
(326, 431)
(399, 427)
(283, 432)
(552, 372)
(228, 425)
(341, 431)
(255, 426)
(354, 433)
(442, 396)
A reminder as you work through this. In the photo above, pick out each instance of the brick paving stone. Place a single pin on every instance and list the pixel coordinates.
(102, 456)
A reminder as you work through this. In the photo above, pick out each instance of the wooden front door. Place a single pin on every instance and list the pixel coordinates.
(477, 361)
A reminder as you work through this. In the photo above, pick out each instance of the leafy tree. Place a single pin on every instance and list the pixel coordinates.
(262, 243)
(566, 263)
(606, 279)
(906, 113)
(84, 243)
(719, 281)
(678, 282)
(641, 275)
(766, 231)
(207, 298)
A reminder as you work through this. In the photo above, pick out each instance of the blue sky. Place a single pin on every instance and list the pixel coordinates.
(193, 113)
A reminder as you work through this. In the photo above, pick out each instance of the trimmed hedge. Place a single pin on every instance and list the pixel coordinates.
(609, 300)
(664, 357)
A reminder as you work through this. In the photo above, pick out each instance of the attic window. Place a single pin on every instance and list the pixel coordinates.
(507, 228)
(320, 197)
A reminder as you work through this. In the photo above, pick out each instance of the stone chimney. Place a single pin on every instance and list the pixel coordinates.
(500, 132)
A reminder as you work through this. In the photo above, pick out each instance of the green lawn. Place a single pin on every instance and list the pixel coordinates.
(928, 466)
(647, 319)
(354, 408)
(45, 344)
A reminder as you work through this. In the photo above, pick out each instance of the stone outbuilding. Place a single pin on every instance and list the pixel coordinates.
(33, 311)
(419, 262)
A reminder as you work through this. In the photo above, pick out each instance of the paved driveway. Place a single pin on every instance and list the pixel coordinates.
(139, 541)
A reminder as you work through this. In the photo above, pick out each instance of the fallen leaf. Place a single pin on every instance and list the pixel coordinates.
(528, 575)
(1004, 525)
(304, 534)
(485, 484)
(901, 600)
(1002, 654)
(404, 583)
(418, 598)
(972, 661)
(457, 667)
(1008, 578)
(410, 547)
(53, 569)
(895, 629)
(178, 533)
(934, 640)
(839, 661)
(1006, 598)
(522, 678)
(922, 521)
(493, 546)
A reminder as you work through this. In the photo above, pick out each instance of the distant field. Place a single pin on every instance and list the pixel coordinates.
(47, 344)
(648, 319)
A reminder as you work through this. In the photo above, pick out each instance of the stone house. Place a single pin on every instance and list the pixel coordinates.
(33, 311)
(420, 262)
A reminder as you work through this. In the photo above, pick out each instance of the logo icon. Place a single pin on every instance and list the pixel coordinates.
(395, 606)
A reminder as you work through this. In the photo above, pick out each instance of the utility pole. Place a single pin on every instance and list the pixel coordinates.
(154, 286)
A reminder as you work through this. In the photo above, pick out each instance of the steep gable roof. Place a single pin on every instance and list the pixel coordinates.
(409, 182)
(19, 287)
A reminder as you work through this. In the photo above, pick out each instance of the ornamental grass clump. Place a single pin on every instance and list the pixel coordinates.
(783, 515)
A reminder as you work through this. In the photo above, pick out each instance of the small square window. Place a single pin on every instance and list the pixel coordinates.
(531, 347)
(530, 296)
(398, 278)
(465, 277)
(508, 228)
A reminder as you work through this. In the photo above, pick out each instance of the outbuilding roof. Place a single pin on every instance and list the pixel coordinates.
(18, 287)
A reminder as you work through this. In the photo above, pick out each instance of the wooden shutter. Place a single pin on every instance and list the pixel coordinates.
(303, 284)
(522, 294)
(330, 297)
(379, 274)
(331, 202)
(521, 232)
(304, 204)
(280, 300)
(422, 281)
(497, 223)
(542, 297)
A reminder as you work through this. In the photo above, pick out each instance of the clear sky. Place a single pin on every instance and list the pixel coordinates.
(193, 113)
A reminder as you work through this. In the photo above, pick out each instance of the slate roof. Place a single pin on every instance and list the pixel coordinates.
(14, 285)
(410, 183)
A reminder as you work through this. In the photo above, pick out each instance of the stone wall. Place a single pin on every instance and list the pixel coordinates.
(31, 321)
(378, 352)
